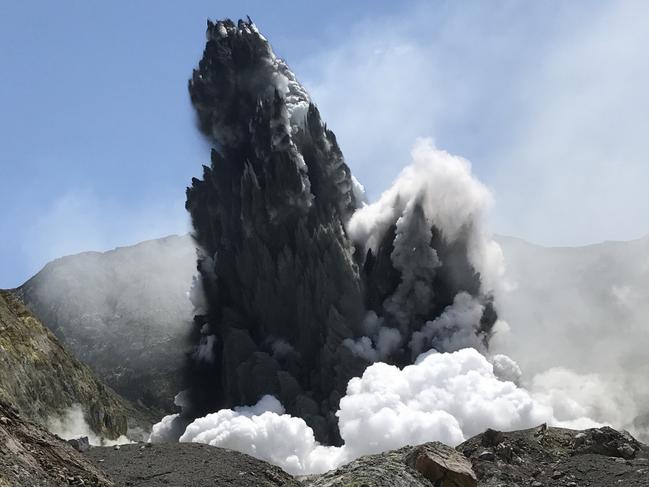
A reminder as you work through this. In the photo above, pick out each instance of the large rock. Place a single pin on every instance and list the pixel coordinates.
(442, 465)
(606, 441)
(421, 466)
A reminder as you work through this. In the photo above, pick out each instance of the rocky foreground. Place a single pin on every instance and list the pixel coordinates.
(538, 457)
(32, 457)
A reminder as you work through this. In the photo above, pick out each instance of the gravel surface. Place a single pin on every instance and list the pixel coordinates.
(185, 464)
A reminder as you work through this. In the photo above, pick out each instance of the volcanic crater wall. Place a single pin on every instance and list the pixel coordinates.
(294, 306)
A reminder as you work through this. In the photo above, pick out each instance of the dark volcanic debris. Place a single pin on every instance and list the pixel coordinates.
(547, 456)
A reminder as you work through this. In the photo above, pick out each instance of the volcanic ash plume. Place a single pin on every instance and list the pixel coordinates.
(305, 286)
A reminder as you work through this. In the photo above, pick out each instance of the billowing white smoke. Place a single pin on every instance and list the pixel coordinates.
(453, 329)
(379, 341)
(72, 424)
(451, 198)
(437, 189)
(579, 326)
(446, 397)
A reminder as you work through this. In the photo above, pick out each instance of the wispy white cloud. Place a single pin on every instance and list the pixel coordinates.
(80, 220)
(547, 100)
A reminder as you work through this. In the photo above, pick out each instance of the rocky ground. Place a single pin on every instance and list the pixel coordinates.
(185, 464)
(538, 457)
(544, 456)
(31, 457)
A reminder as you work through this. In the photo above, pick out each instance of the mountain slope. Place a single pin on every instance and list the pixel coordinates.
(43, 381)
(124, 312)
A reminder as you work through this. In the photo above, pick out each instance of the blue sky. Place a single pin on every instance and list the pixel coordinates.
(547, 99)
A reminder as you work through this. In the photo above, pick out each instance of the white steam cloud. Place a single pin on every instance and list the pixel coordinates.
(72, 424)
(451, 198)
(447, 397)
(579, 326)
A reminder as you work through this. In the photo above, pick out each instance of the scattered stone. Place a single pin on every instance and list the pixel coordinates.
(487, 456)
(504, 451)
(491, 437)
(116, 447)
(80, 444)
(607, 441)
(579, 440)
(626, 451)
(541, 430)
(558, 457)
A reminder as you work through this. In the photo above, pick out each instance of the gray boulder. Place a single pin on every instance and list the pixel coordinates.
(419, 466)
(80, 444)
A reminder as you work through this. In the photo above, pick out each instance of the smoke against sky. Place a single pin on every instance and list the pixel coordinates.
(79, 221)
(546, 100)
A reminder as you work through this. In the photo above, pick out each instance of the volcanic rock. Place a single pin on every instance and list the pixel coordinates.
(442, 465)
(186, 465)
(558, 457)
(547, 460)
(423, 465)
(80, 444)
(32, 457)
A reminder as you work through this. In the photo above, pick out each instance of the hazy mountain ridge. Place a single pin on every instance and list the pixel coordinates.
(579, 318)
(564, 296)
(125, 312)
